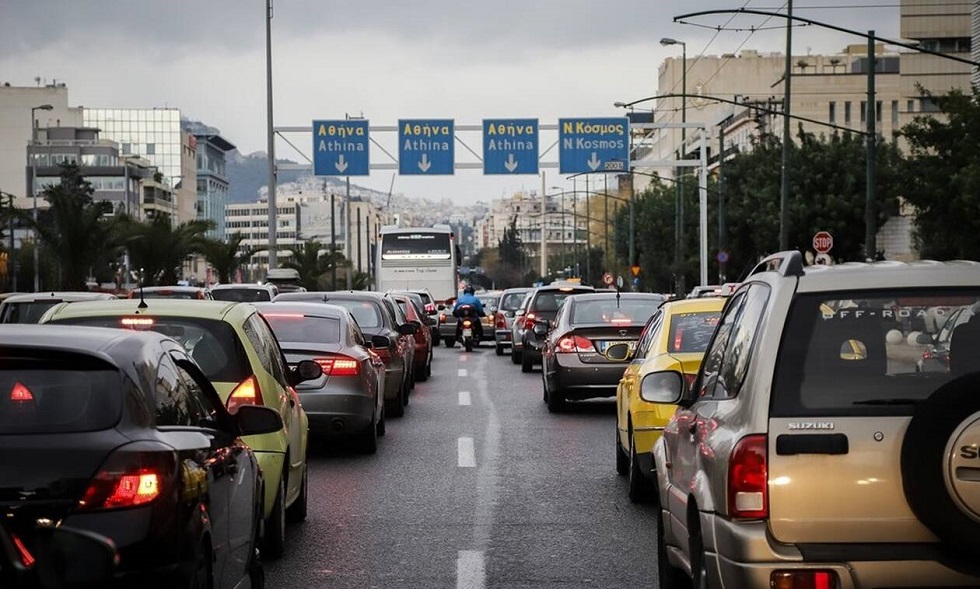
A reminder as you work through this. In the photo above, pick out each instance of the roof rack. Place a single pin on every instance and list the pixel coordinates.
(788, 263)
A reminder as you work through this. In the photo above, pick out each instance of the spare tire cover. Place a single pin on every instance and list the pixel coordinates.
(941, 463)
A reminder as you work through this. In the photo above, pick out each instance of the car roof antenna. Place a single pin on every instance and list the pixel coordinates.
(142, 304)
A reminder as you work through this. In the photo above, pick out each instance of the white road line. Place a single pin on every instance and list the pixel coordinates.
(470, 570)
(463, 372)
(464, 398)
(466, 454)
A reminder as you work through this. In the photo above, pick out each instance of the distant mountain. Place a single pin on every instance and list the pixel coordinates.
(247, 174)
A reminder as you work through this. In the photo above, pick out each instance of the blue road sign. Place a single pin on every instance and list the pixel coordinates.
(340, 148)
(722, 257)
(593, 145)
(426, 147)
(510, 146)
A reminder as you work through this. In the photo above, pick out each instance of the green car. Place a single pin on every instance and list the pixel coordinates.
(238, 352)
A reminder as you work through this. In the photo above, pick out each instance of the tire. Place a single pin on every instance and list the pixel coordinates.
(469, 345)
(381, 426)
(515, 357)
(256, 572)
(640, 489)
(201, 576)
(925, 463)
(368, 440)
(668, 577)
(395, 407)
(556, 403)
(699, 569)
(526, 364)
(622, 460)
(426, 369)
(449, 341)
(297, 511)
(274, 542)
(499, 350)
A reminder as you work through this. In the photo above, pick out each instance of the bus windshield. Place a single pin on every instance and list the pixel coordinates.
(415, 246)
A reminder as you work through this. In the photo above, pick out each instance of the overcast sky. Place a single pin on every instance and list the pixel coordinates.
(387, 59)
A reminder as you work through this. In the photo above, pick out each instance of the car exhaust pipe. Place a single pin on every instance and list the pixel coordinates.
(337, 425)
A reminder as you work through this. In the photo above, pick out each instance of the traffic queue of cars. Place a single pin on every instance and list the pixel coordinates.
(810, 427)
(173, 428)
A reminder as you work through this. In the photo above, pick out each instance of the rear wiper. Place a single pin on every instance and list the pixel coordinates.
(888, 402)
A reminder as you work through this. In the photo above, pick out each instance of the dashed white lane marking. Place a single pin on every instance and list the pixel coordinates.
(463, 372)
(466, 454)
(464, 398)
(470, 570)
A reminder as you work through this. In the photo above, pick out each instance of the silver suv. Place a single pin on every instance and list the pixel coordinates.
(814, 450)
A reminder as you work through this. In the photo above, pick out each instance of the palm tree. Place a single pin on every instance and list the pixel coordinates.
(225, 257)
(76, 229)
(160, 249)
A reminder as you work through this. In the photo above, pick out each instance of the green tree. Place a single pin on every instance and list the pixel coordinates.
(77, 230)
(225, 256)
(944, 178)
(317, 265)
(160, 249)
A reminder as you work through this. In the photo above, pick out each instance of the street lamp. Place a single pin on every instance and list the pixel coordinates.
(679, 186)
(33, 158)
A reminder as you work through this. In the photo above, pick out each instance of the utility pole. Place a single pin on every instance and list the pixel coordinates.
(271, 137)
(787, 94)
(333, 239)
(605, 221)
(632, 236)
(722, 229)
(870, 202)
(350, 278)
(544, 229)
(588, 235)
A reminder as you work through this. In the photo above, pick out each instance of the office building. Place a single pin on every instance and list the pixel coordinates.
(212, 181)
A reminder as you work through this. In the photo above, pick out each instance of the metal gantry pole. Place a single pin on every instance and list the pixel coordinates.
(703, 205)
(722, 229)
(870, 202)
(544, 229)
(347, 236)
(784, 165)
(271, 137)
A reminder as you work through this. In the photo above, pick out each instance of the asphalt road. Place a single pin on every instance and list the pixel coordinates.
(485, 489)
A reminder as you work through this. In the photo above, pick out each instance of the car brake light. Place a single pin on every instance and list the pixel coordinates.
(429, 308)
(246, 393)
(339, 366)
(133, 476)
(748, 479)
(21, 394)
(26, 558)
(529, 320)
(574, 344)
(442, 318)
(803, 580)
(501, 322)
(384, 354)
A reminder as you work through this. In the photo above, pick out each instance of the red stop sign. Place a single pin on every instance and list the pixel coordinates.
(823, 242)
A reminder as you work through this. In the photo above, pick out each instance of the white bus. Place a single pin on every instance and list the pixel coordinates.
(418, 257)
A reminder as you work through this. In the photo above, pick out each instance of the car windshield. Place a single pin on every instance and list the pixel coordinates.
(299, 328)
(870, 353)
(213, 344)
(691, 332)
(601, 310)
(241, 295)
(512, 301)
(57, 395)
(26, 312)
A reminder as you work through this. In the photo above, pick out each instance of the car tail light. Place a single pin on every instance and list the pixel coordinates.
(429, 308)
(339, 366)
(132, 476)
(384, 354)
(26, 558)
(803, 580)
(573, 344)
(529, 320)
(442, 318)
(246, 393)
(748, 479)
(501, 321)
(21, 394)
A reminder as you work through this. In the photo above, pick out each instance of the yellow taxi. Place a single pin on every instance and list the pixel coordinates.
(672, 343)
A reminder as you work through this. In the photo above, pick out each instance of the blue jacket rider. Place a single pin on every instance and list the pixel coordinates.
(469, 298)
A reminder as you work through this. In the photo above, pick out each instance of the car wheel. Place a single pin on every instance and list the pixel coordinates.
(297, 511)
(499, 350)
(939, 445)
(622, 460)
(380, 426)
(526, 364)
(699, 564)
(256, 572)
(450, 342)
(368, 440)
(515, 357)
(201, 577)
(668, 577)
(274, 543)
(395, 407)
(544, 387)
(406, 390)
(425, 369)
(469, 345)
(639, 484)
(556, 403)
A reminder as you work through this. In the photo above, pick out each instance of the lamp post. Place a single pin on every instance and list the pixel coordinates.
(33, 158)
(679, 185)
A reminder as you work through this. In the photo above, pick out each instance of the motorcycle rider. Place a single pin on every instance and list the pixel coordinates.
(470, 299)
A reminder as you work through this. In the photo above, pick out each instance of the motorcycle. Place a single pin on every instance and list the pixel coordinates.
(467, 325)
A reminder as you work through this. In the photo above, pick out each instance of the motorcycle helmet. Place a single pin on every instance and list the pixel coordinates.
(469, 290)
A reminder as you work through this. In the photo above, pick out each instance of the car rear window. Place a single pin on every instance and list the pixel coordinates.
(548, 301)
(868, 353)
(27, 311)
(57, 395)
(512, 301)
(367, 314)
(691, 332)
(603, 310)
(241, 295)
(168, 294)
(308, 329)
(212, 343)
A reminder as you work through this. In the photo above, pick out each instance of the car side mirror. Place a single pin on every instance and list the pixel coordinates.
(380, 342)
(254, 420)
(519, 313)
(619, 352)
(540, 328)
(441, 308)
(305, 370)
(408, 328)
(924, 339)
(662, 387)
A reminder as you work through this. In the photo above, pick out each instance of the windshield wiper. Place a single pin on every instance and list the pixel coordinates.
(888, 402)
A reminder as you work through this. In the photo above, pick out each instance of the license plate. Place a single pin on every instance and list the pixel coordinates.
(467, 332)
(604, 344)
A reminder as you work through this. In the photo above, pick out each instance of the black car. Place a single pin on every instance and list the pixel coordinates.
(575, 365)
(376, 315)
(120, 434)
(541, 304)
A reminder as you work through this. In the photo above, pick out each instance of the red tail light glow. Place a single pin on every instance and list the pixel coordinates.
(384, 354)
(339, 366)
(131, 477)
(26, 558)
(246, 393)
(806, 579)
(21, 394)
(500, 321)
(529, 320)
(574, 344)
(748, 479)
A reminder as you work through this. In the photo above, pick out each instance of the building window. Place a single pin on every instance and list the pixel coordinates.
(847, 112)
(864, 113)
(832, 112)
(878, 108)
(909, 106)
(151, 149)
(894, 113)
